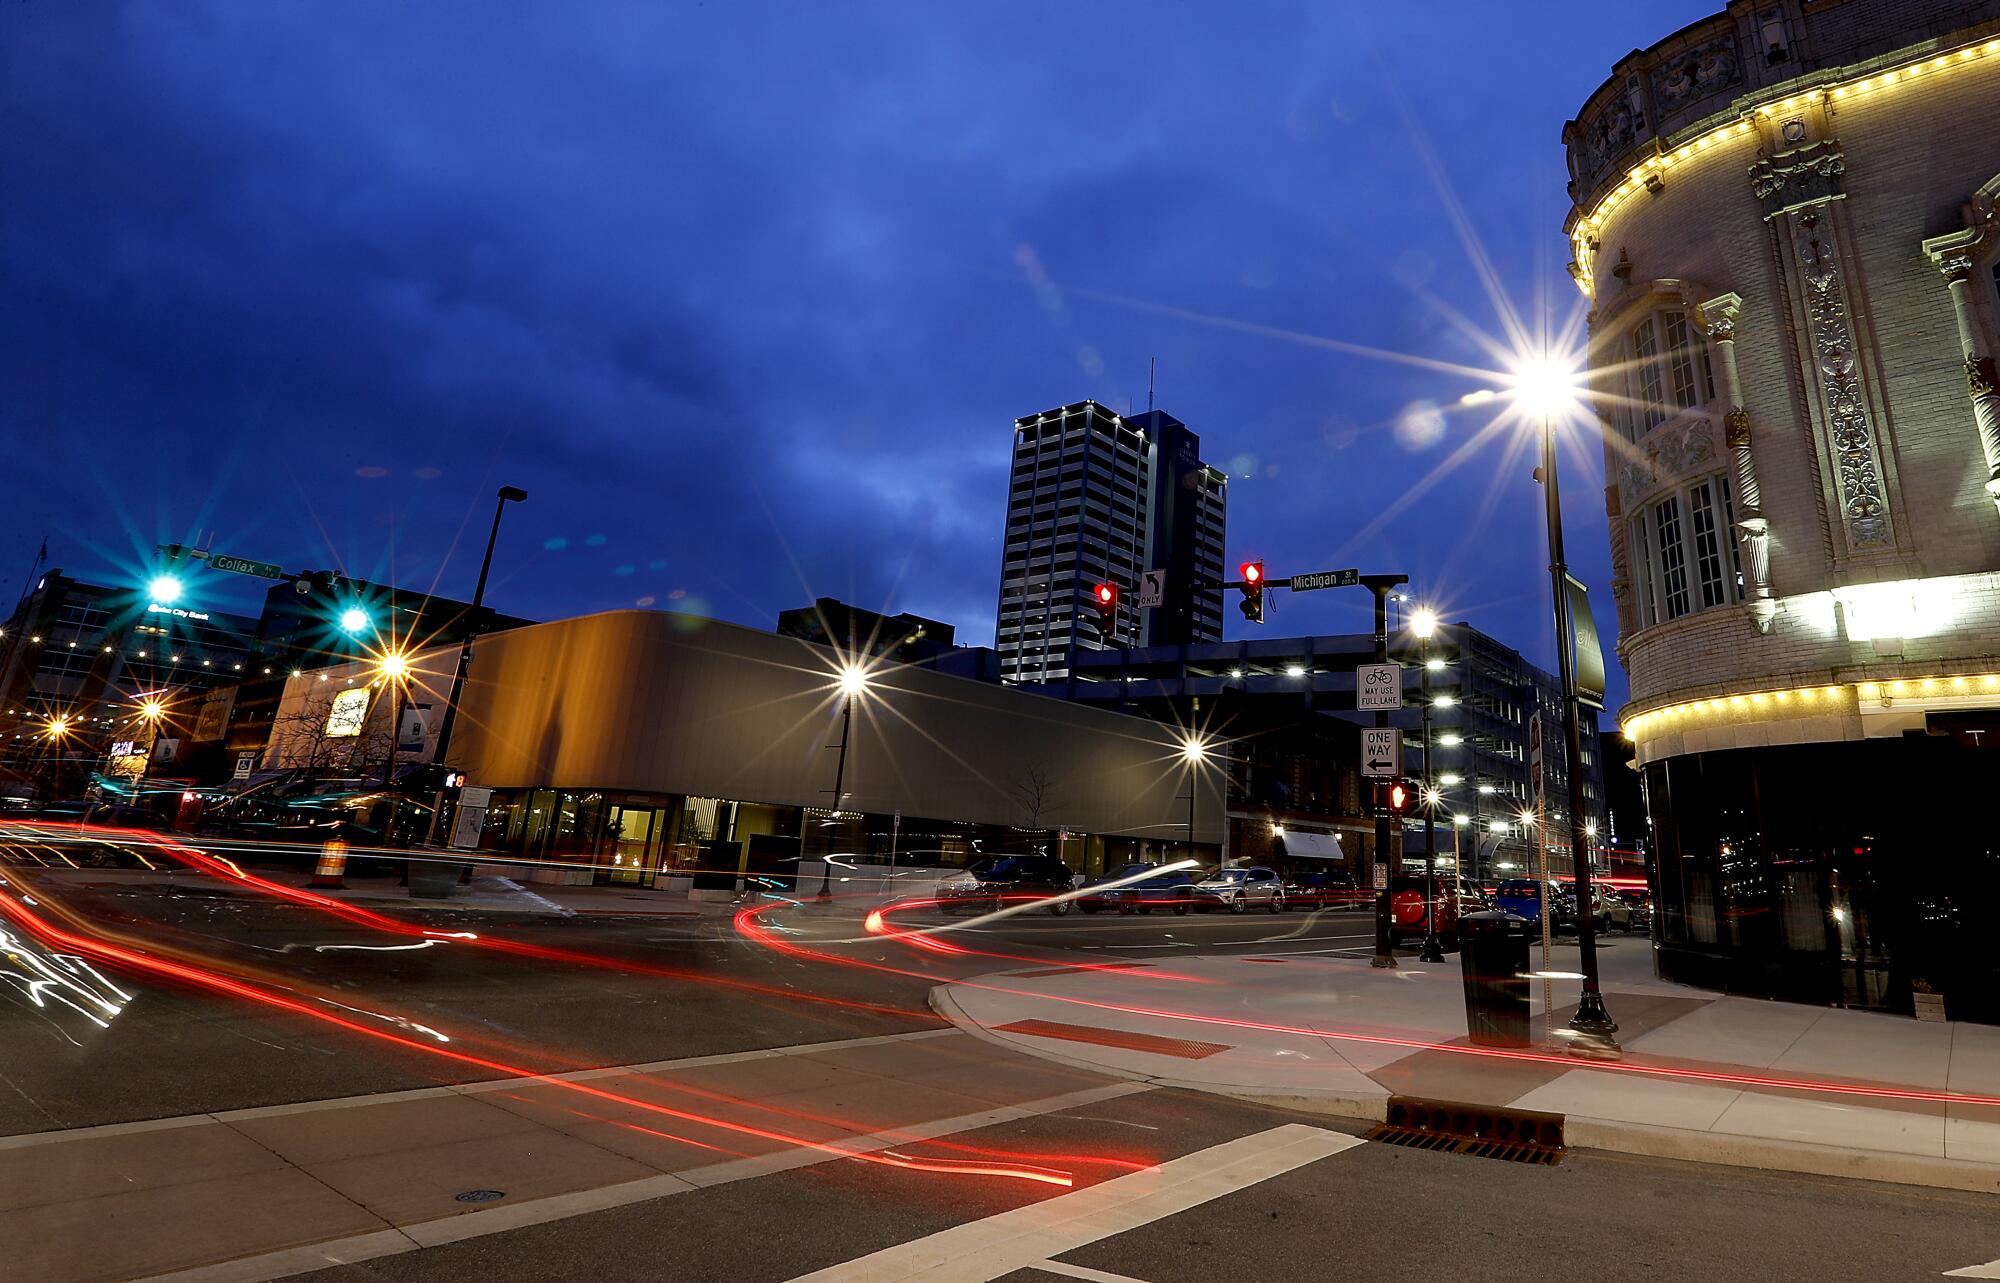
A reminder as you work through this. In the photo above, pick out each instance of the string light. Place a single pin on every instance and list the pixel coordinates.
(1798, 700)
(1634, 182)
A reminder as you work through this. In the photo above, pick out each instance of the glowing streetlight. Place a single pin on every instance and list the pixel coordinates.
(852, 684)
(1549, 388)
(353, 620)
(1423, 622)
(164, 589)
(1194, 751)
(58, 727)
(152, 710)
(393, 667)
(853, 681)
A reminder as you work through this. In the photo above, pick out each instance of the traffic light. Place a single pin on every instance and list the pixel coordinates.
(1104, 599)
(1402, 796)
(1253, 591)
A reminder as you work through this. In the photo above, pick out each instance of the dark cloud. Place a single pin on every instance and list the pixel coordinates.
(749, 297)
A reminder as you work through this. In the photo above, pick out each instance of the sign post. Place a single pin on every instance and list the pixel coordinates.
(1380, 585)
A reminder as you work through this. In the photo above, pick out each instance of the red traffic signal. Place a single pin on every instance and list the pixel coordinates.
(1401, 795)
(1105, 598)
(1253, 591)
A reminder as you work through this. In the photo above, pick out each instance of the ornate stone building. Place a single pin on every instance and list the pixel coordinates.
(1784, 218)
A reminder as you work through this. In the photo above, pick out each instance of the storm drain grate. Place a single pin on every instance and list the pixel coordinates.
(1482, 1131)
(480, 1195)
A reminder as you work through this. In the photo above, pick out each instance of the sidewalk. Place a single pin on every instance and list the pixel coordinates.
(1848, 1093)
(264, 1193)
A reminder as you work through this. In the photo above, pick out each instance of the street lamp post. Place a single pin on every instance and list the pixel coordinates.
(508, 494)
(1592, 1020)
(1194, 752)
(1423, 623)
(853, 681)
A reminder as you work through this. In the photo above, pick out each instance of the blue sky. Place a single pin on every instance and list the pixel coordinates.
(747, 296)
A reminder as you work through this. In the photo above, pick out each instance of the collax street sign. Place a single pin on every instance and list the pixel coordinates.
(1325, 579)
(1378, 687)
(237, 565)
(1381, 752)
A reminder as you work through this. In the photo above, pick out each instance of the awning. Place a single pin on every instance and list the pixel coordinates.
(1312, 846)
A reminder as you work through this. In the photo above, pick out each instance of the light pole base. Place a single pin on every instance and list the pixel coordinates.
(1433, 950)
(1592, 1018)
(1593, 1047)
(1386, 961)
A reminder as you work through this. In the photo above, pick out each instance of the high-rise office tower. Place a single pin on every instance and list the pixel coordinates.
(1097, 497)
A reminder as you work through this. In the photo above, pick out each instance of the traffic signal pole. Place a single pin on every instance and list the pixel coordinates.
(1385, 955)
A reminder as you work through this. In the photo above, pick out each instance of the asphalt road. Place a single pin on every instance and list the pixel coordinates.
(681, 986)
(1371, 1212)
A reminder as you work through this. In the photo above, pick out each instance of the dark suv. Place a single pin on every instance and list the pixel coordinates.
(984, 884)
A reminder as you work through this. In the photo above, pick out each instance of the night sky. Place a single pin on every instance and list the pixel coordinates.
(747, 296)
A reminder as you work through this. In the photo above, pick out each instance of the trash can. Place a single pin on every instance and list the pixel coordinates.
(1493, 955)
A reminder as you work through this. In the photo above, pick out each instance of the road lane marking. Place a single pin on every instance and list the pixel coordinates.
(501, 1217)
(1082, 1272)
(1010, 1241)
(1990, 1270)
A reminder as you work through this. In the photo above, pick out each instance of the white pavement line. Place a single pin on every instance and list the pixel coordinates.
(999, 1245)
(1990, 1270)
(501, 1218)
(1082, 1272)
(30, 1139)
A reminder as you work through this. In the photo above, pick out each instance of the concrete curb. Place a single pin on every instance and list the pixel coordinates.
(1640, 1139)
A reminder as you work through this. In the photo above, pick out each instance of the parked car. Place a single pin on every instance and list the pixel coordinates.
(1237, 889)
(1152, 889)
(1523, 898)
(1629, 908)
(986, 884)
(1406, 906)
(1325, 889)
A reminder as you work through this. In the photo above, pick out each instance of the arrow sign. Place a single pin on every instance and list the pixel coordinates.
(1152, 589)
(1381, 752)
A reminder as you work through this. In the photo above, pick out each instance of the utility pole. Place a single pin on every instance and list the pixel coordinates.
(1385, 956)
(473, 619)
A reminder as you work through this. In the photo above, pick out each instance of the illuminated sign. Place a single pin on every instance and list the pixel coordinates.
(348, 713)
(176, 611)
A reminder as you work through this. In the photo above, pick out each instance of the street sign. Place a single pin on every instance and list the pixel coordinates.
(239, 566)
(1325, 579)
(244, 761)
(1152, 589)
(1381, 752)
(1381, 877)
(1535, 760)
(1378, 687)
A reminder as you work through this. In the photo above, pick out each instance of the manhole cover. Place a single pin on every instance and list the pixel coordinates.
(480, 1195)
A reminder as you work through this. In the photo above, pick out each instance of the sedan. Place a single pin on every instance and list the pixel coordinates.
(1237, 889)
(1140, 888)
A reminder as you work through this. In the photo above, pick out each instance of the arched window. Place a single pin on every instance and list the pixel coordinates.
(1665, 371)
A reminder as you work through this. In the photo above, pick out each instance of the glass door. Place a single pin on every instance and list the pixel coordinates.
(631, 830)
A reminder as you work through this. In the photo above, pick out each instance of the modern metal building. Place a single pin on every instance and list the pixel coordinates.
(1097, 497)
(633, 744)
(1784, 217)
(1281, 712)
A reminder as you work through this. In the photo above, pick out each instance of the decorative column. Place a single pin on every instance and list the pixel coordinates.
(1953, 256)
(1717, 318)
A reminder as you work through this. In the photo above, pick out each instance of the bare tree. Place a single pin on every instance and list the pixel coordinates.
(309, 737)
(1038, 791)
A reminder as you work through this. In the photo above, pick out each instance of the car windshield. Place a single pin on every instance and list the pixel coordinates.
(1229, 875)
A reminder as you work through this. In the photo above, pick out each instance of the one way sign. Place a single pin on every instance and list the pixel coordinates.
(1381, 752)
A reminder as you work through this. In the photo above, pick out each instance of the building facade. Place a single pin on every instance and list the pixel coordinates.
(103, 679)
(1784, 219)
(1096, 497)
(1280, 712)
(637, 745)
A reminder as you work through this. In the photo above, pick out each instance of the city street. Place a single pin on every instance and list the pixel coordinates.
(778, 1100)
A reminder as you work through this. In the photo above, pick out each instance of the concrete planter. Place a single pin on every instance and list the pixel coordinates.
(1930, 1006)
